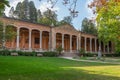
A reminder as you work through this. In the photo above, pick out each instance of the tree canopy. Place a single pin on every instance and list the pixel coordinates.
(7, 33)
(108, 22)
(3, 3)
(88, 26)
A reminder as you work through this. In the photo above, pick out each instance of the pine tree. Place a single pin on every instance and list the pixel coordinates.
(18, 13)
(25, 9)
(88, 26)
(39, 15)
(32, 12)
(11, 12)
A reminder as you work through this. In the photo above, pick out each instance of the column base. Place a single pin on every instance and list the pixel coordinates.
(30, 49)
(17, 49)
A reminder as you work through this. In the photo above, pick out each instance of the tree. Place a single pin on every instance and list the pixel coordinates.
(39, 15)
(25, 9)
(18, 13)
(108, 23)
(108, 19)
(3, 3)
(32, 12)
(7, 33)
(88, 27)
(11, 12)
(49, 17)
(59, 50)
(67, 19)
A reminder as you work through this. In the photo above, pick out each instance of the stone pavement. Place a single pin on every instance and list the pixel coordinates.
(71, 58)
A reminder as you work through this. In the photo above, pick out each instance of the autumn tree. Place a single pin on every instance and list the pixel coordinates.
(108, 20)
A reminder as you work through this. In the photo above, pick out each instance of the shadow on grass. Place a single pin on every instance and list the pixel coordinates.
(47, 68)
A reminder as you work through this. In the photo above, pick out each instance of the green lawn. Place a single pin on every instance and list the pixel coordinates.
(35, 68)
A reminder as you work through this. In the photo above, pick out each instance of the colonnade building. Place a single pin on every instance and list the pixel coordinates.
(38, 37)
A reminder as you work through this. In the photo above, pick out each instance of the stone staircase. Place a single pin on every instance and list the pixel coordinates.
(69, 54)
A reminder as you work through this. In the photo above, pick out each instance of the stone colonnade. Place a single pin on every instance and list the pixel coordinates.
(37, 37)
(70, 43)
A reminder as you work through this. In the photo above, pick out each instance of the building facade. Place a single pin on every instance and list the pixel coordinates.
(37, 37)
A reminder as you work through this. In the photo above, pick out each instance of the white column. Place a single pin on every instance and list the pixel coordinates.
(30, 39)
(90, 44)
(40, 40)
(95, 45)
(4, 31)
(63, 41)
(55, 41)
(85, 44)
(77, 43)
(18, 38)
(70, 43)
(50, 41)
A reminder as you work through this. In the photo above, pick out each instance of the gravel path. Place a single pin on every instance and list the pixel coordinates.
(70, 58)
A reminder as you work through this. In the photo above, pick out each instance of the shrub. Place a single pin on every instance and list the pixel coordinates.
(81, 52)
(59, 50)
(5, 52)
(27, 53)
(20, 53)
(50, 54)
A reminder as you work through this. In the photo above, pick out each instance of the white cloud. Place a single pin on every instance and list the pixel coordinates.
(44, 6)
(13, 3)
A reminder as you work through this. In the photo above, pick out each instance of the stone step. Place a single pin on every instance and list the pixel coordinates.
(69, 54)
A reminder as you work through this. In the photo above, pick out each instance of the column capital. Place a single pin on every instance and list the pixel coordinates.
(30, 30)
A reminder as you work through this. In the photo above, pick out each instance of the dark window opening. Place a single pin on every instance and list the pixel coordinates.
(37, 41)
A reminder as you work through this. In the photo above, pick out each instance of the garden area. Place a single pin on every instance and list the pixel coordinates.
(53, 68)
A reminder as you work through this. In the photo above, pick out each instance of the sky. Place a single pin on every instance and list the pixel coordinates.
(61, 10)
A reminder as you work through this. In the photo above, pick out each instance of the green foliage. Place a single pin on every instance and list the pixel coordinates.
(59, 50)
(82, 51)
(3, 3)
(8, 35)
(5, 52)
(48, 18)
(66, 20)
(21, 53)
(50, 54)
(32, 12)
(25, 10)
(108, 23)
(88, 27)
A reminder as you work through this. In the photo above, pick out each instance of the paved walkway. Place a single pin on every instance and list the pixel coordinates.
(70, 58)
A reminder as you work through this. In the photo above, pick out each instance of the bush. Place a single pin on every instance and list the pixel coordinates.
(59, 50)
(27, 53)
(112, 55)
(5, 52)
(89, 54)
(81, 52)
(50, 54)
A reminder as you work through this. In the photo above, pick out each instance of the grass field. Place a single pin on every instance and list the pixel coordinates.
(45, 68)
